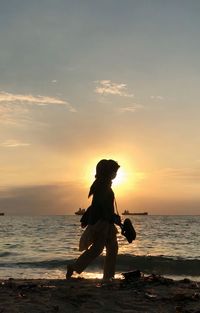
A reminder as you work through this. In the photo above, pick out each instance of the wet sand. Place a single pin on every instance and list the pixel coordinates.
(145, 294)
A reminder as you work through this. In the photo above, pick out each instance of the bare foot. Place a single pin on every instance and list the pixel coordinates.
(69, 271)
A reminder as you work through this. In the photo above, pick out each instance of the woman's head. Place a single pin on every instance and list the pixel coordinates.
(106, 169)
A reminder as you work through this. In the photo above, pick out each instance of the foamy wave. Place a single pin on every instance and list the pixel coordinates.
(147, 264)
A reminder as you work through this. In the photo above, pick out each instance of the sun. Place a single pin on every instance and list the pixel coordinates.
(125, 180)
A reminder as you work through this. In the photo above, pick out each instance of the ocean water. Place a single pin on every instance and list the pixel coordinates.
(42, 246)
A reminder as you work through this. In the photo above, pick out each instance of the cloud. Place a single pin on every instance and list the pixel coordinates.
(15, 108)
(157, 97)
(12, 115)
(181, 173)
(42, 199)
(34, 100)
(13, 143)
(107, 87)
(131, 108)
(62, 199)
(39, 100)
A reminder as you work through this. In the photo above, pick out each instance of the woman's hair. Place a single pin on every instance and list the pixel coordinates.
(105, 168)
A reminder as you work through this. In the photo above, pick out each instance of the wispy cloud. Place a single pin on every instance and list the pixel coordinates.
(131, 109)
(15, 107)
(10, 114)
(107, 87)
(34, 100)
(13, 143)
(39, 100)
(157, 97)
(181, 173)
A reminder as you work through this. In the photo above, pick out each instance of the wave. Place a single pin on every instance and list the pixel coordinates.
(4, 254)
(147, 264)
(159, 265)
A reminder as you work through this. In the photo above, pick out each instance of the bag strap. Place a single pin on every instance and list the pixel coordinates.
(115, 205)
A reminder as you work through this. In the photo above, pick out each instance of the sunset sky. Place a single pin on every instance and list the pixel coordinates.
(82, 80)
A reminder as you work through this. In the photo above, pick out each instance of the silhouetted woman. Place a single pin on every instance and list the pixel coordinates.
(101, 231)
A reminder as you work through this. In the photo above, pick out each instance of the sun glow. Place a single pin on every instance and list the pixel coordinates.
(125, 180)
(120, 178)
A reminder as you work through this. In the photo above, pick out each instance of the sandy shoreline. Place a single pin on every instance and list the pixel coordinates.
(146, 294)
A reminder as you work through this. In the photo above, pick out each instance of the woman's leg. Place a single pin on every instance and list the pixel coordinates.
(86, 257)
(111, 255)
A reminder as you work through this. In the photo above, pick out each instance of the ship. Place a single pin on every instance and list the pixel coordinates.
(2, 214)
(126, 212)
(80, 211)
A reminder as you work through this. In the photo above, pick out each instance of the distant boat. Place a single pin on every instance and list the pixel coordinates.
(2, 214)
(126, 212)
(80, 211)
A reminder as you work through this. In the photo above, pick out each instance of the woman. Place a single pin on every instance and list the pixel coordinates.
(101, 231)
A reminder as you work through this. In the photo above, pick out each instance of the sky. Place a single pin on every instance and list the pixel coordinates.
(84, 80)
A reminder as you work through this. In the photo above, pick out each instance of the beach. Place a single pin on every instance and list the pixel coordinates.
(145, 294)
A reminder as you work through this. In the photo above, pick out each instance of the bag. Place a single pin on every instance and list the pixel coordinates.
(85, 217)
(128, 230)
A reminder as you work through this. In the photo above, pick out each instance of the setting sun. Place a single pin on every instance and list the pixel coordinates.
(126, 179)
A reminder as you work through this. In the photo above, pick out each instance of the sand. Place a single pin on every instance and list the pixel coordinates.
(145, 294)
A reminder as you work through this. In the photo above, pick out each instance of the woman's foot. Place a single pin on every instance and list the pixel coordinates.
(69, 271)
(107, 280)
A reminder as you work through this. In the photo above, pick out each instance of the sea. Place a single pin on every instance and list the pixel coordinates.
(42, 246)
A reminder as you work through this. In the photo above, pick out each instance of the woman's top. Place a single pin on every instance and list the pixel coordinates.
(102, 206)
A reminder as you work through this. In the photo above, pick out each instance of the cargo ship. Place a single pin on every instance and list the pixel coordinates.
(126, 212)
(2, 214)
(80, 211)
